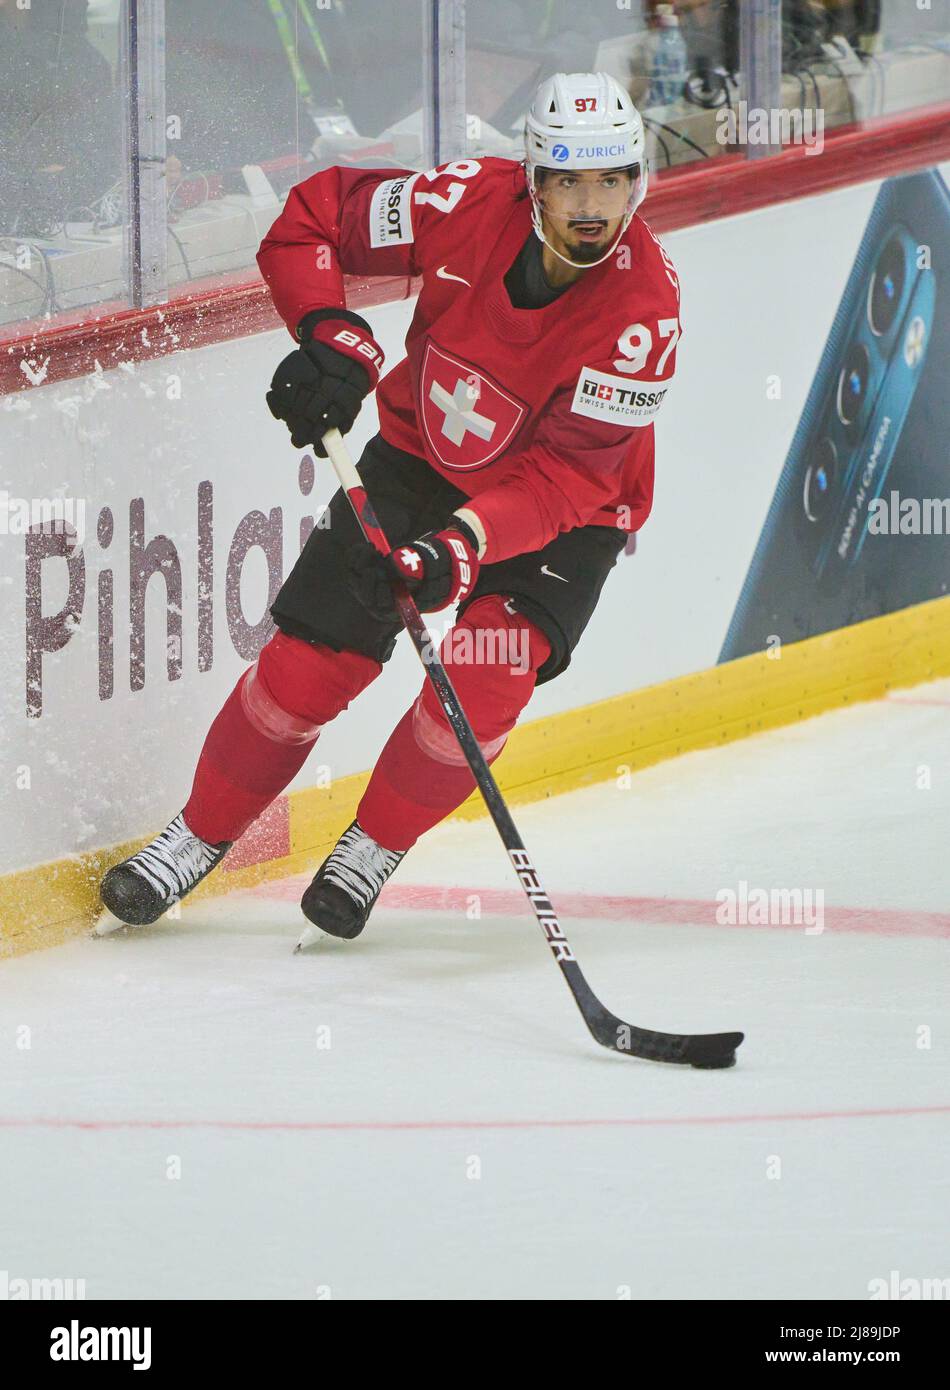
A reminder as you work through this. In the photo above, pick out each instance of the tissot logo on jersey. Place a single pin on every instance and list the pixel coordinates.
(621, 395)
(390, 221)
(606, 397)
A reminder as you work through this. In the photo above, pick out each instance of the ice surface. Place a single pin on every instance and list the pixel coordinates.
(421, 1113)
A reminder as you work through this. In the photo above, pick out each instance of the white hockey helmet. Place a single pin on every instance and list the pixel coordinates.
(584, 120)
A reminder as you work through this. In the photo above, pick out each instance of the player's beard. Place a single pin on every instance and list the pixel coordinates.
(584, 252)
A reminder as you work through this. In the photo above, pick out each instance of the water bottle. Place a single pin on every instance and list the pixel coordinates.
(670, 68)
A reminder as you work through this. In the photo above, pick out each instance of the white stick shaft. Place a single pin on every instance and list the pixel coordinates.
(339, 456)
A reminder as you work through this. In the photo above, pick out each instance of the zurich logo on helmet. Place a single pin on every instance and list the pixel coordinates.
(560, 153)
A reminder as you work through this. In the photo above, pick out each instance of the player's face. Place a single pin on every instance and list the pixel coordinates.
(581, 210)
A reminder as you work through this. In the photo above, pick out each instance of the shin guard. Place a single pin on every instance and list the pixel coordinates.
(492, 657)
(264, 732)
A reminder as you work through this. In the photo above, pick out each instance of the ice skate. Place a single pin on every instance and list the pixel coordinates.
(142, 888)
(345, 887)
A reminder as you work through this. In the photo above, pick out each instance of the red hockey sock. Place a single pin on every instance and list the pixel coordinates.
(492, 657)
(265, 730)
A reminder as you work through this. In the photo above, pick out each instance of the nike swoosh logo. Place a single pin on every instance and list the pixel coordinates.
(552, 575)
(443, 274)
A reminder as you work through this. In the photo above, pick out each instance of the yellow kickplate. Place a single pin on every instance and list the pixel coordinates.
(50, 903)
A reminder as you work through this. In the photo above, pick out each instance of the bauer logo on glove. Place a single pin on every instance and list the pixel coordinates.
(322, 384)
(439, 570)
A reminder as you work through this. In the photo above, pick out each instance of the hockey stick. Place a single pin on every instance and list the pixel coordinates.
(705, 1050)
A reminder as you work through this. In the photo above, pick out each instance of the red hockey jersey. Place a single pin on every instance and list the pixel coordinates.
(543, 417)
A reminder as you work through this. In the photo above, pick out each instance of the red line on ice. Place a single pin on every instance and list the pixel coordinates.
(426, 897)
(647, 1121)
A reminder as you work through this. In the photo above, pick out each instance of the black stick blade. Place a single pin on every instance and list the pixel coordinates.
(708, 1051)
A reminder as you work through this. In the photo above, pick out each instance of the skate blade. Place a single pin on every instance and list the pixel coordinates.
(107, 923)
(310, 936)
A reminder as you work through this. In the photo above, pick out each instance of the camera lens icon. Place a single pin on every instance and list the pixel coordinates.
(820, 482)
(853, 384)
(886, 287)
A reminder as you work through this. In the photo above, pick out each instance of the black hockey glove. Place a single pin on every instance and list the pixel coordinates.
(439, 570)
(322, 384)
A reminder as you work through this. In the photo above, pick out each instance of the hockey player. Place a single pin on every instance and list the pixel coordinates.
(514, 456)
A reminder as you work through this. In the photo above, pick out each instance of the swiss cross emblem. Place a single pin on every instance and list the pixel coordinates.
(468, 420)
(605, 392)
